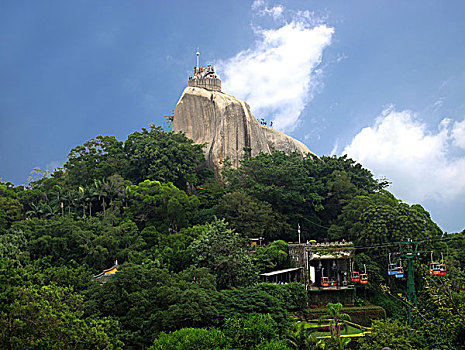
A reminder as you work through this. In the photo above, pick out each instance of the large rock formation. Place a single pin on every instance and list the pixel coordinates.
(226, 126)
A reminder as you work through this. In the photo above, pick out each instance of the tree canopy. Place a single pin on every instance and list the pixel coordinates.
(187, 270)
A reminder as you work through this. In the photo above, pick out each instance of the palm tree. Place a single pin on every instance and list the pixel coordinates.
(50, 210)
(89, 194)
(127, 196)
(59, 195)
(69, 199)
(115, 188)
(301, 338)
(36, 210)
(336, 318)
(100, 189)
(74, 199)
(81, 199)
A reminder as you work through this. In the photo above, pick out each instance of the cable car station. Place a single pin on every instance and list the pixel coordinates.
(327, 271)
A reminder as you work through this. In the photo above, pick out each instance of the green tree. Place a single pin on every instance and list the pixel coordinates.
(161, 205)
(10, 207)
(50, 317)
(308, 191)
(393, 334)
(97, 158)
(293, 296)
(243, 301)
(13, 245)
(273, 256)
(441, 312)
(251, 331)
(91, 240)
(147, 300)
(336, 318)
(163, 156)
(380, 218)
(191, 339)
(224, 252)
(249, 216)
(301, 338)
(280, 180)
(210, 192)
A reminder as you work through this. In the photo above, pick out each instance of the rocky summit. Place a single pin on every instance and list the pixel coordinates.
(225, 124)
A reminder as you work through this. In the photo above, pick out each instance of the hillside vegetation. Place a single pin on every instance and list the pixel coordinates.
(187, 278)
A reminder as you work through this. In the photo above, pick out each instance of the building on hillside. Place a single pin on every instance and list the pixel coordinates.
(106, 274)
(326, 270)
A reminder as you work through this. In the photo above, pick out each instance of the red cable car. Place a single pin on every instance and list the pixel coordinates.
(442, 270)
(355, 277)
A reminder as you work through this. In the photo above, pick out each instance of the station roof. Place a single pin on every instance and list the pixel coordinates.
(279, 272)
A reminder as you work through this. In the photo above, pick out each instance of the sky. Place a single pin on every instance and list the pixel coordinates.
(380, 81)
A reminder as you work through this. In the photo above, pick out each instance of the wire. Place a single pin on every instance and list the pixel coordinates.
(314, 223)
(382, 254)
(391, 244)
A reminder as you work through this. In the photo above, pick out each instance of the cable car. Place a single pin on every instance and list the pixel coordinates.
(355, 277)
(434, 268)
(324, 281)
(364, 276)
(442, 267)
(392, 267)
(400, 272)
(333, 282)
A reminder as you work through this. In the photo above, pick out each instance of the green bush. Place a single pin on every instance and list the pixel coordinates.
(241, 302)
(292, 295)
(393, 334)
(362, 315)
(248, 333)
(190, 339)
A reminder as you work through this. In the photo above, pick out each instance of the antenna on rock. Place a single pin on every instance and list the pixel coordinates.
(197, 54)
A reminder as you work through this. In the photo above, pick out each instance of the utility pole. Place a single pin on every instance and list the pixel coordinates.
(409, 251)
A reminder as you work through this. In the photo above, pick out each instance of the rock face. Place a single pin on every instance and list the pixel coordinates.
(226, 126)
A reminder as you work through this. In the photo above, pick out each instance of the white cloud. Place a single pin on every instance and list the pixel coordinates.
(261, 8)
(278, 76)
(275, 11)
(422, 165)
(257, 4)
(458, 134)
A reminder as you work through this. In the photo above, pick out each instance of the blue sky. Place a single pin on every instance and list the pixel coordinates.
(383, 81)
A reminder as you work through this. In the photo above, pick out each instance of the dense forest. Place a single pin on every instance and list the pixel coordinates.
(187, 274)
